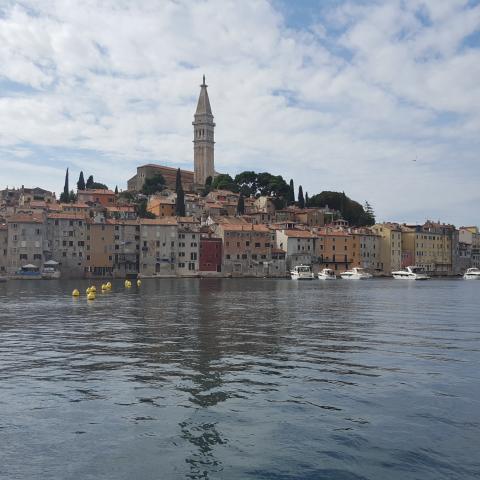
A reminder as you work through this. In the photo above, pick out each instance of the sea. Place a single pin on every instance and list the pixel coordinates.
(240, 379)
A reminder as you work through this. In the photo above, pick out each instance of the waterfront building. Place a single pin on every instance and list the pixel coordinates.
(471, 237)
(203, 138)
(188, 248)
(299, 246)
(158, 246)
(96, 197)
(431, 246)
(336, 249)
(100, 248)
(390, 237)
(126, 250)
(367, 247)
(3, 248)
(27, 241)
(247, 249)
(210, 253)
(67, 238)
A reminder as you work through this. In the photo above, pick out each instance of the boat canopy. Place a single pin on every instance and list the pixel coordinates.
(51, 263)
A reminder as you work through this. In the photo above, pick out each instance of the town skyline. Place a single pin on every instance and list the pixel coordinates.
(326, 109)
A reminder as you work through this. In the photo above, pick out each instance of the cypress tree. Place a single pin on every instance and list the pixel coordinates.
(241, 205)
(116, 189)
(81, 182)
(89, 182)
(306, 199)
(180, 202)
(65, 196)
(291, 193)
(301, 200)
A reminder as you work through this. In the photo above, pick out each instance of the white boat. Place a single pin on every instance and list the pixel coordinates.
(472, 274)
(410, 273)
(355, 273)
(28, 272)
(302, 272)
(327, 274)
(50, 270)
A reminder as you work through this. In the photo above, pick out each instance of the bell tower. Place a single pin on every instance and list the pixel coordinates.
(203, 138)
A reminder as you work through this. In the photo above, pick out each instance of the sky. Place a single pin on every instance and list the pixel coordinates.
(379, 99)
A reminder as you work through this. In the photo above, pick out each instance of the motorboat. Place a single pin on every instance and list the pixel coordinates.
(28, 272)
(50, 270)
(472, 274)
(327, 274)
(356, 273)
(410, 273)
(302, 272)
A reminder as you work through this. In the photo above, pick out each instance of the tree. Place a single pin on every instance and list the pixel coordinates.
(368, 217)
(154, 184)
(65, 196)
(72, 198)
(301, 200)
(89, 183)
(291, 193)
(208, 186)
(241, 205)
(81, 182)
(307, 200)
(247, 182)
(116, 189)
(142, 211)
(180, 201)
(99, 186)
(224, 182)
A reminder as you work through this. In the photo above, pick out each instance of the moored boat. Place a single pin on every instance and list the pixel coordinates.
(302, 272)
(28, 272)
(472, 274)
(327, 274)
(50, 270)
(356, 273)
(410, 273)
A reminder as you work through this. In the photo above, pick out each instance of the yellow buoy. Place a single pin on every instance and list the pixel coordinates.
(87, 291)
(93, 288)
(139, 282)
(91, 296)
(108, 285)
(104, 287)
(75, 293)
(128, 283)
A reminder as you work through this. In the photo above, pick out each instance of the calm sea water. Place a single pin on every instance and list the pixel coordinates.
(241, 379)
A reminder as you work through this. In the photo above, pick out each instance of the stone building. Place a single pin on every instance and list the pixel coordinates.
(336, 249)
(188, 250)
(169, 174)
(27, 242)
(367, 249)
(100, 248)
(203, 138)
(3, 248)
(67, 238)
(126, 249)
(299, 246)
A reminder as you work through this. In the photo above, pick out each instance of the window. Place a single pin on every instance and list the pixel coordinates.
(257, 245)
(23, 256)
(193, 256)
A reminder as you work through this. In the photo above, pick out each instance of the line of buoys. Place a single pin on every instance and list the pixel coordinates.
(91, 291)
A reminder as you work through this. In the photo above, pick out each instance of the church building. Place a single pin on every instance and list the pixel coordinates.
(203, 153)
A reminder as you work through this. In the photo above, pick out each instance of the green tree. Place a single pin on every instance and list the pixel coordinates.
(116, 189)
(291, 193)
(81, 182)
(241, 205)
(142, 211)
(154, 184)
(301, 200)
(307, 200)
(208, 186)
(72, 198)
(89, 183)
(99, 186)
(247, 183)
(65, 195)
(368, 217)
(224, 182)
(180, 201)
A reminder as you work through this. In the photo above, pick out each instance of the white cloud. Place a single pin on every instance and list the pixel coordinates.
(105, 86)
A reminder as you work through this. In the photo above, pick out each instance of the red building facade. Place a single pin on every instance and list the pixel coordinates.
(210, 254)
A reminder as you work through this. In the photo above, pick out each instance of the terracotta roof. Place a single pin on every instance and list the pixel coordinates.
(24, 218)
(96, 191)
(299, 234)
(245, 228)
(75, 205)
(121, 208)
(112, 221)
(67, 215)
(159, 221)
(165, 167)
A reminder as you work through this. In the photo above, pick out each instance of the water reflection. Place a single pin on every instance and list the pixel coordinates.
(240, 379)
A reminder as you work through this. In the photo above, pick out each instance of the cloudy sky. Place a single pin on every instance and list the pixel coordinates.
(377, 98)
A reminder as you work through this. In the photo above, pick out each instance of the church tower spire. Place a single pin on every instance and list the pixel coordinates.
(203, 138)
